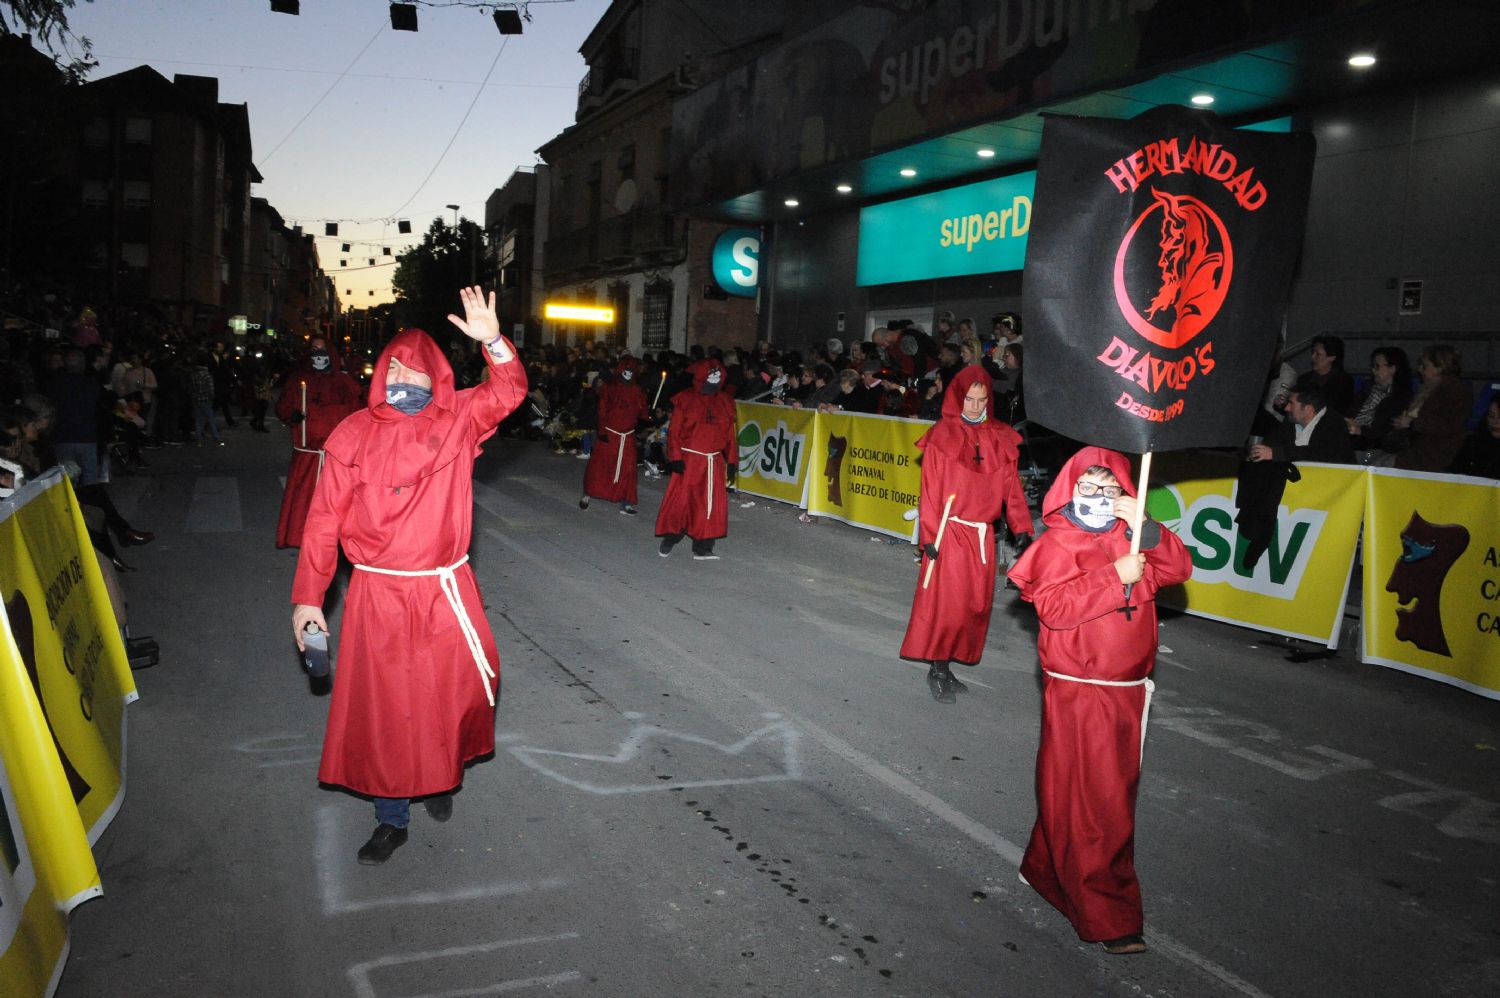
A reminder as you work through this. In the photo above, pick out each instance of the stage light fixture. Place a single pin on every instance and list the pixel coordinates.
(404, 16)
(508, 21)
(330, 228)
(286, 7)
(403, 226)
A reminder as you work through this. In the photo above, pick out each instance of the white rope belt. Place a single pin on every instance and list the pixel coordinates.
(619, 449)
(710, 478)
(309, 450)
(449, 586)
(983, 528)
(1145, 707)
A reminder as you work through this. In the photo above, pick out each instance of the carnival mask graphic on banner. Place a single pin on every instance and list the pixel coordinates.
(1428, 551)
(833, 468)
(1159, 265)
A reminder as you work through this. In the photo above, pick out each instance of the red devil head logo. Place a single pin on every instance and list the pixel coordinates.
(1195, 262)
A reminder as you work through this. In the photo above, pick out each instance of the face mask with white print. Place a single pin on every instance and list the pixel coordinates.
(712, 382)
(1094, 512)
(410, 399)
(321, 361)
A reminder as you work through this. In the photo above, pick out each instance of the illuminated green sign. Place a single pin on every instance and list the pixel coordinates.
(974, 229)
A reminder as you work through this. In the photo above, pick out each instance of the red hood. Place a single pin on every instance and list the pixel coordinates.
(953, 401)
(415, 349)
(1061, 492)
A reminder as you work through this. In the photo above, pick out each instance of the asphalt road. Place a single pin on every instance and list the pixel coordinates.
(718, 778)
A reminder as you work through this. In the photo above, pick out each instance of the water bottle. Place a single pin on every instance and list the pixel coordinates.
(316, 656)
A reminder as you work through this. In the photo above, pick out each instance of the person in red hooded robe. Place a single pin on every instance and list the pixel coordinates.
(414, 697)
(316, 397)
(1096, 603)
(702, 454)
(969, 482)
(611, 472)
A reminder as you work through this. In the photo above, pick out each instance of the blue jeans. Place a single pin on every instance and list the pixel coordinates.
(83, 453)
(203, 415)
(395, 811)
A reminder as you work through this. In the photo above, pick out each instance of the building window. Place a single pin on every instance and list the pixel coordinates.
(137, 255)
(138, 131)
(137, 195)
(656, 322)
(95, 194)
(96, 133)
(619, 300)
(626, 162)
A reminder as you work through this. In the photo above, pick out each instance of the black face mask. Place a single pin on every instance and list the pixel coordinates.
(321, 360)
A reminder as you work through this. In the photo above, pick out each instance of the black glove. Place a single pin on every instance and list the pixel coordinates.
(734, 470)
(297, 417)
(676, 467)
(1021, 543)
(1150, 534)
(931, 550)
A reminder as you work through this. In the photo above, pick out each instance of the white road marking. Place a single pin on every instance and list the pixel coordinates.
(359, 973)
(336, 900)
(878, 771)
(635, 743)
(278, 747)
(215, 506)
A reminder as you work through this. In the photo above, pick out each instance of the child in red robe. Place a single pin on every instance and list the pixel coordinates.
(1096, 603)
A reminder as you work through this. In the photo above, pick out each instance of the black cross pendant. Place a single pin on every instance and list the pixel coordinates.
(1127, 610)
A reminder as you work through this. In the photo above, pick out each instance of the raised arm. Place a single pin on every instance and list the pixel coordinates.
(505, 388)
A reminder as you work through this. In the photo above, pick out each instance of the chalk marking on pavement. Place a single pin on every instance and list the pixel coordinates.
(359, 973)
(1472, 818)
(881, 773)
(641, 735)
(215, 506)
(336, 901)
(268, 746)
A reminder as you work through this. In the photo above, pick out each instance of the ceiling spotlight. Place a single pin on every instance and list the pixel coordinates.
(843, 188)
(404, 17)
(1202, 100)
(986, 154)
(791, 202)
(285, 7)
(908, 172)
(1363, 60)
(508, 21)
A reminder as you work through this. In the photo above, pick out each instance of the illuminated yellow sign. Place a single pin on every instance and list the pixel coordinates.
(579, 313)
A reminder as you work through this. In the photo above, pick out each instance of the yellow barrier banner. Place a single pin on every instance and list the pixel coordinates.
(1432, 578)
(864, 471)
(64, 684)
(1300, 585)
(775, 450)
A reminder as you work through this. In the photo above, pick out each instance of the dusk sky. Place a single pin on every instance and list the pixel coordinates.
(349, 117)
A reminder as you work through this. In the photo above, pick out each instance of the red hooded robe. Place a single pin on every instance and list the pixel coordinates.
(611, 471)
(976, 464)
(331, 395)
(1081, 856)
(409, 705)
(702, 437)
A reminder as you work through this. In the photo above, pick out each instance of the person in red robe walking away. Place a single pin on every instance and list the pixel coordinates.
(414, 696)
(701, 451)
(969, 481)
(611, 472)
(330, 396)
(1097, 606)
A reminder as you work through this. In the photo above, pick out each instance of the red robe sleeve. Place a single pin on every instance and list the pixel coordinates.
(1016, 512)
(732, 448)
(318, 558)
(934, 496)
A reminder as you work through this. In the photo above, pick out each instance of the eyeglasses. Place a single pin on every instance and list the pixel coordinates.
(1090, 488)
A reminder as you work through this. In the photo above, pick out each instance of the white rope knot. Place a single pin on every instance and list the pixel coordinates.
(983, 529)
(1145, 707)
(311, 450)
(448, 582)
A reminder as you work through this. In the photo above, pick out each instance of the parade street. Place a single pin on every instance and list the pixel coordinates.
(718, 778)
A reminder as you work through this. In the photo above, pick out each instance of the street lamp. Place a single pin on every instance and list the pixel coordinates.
(454, 209)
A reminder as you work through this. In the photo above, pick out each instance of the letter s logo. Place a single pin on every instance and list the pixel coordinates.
(736, 261)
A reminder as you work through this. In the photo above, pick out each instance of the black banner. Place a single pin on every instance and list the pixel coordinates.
(1157, 274)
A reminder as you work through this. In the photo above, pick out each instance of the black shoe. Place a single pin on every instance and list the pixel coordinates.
(386, 840)
(941, 684)
(439, 807)
(138, 537)
(1125, 945)
(583, 502)
(120, 566)
(665, 549)
(628, 510)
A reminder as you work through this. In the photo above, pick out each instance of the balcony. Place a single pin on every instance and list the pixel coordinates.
(616, 71)
(633, 240)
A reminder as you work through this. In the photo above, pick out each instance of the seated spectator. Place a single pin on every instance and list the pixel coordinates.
(949, 364)
(826, 388)
(847, 383)
(868, 396)
(1386, 398)
(129, 426)
(968, 350)
(930, 405)
(1272, 411)
(1006, 327)
(1480, 455)
(1328, 374)
(1428, 435)
(1311, 433)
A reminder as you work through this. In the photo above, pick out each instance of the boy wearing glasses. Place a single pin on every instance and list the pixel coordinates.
(1096, 603)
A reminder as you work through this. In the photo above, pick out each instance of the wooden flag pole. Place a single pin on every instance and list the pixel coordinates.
(1140, 504)
(304, 415)
(937, 542)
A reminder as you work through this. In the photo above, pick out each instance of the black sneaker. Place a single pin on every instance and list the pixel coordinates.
(628, 510)
(583, 502)
(386, 840)
(665, 549)
(941, 684)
